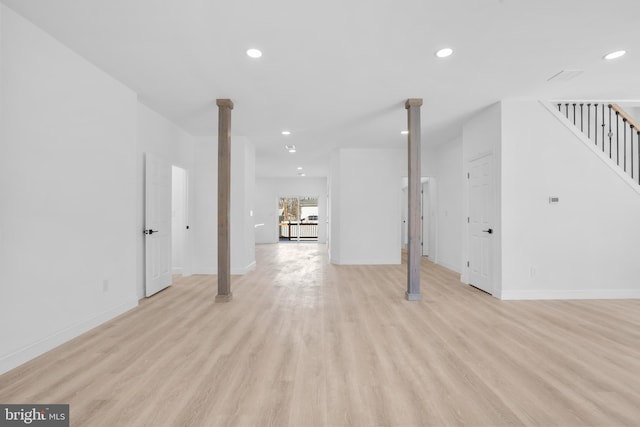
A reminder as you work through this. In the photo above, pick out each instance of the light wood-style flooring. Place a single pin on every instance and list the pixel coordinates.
(307, 343)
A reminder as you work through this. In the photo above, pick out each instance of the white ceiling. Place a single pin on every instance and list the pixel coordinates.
(337, 72)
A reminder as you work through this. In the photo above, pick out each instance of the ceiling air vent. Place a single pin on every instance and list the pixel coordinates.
(565, 75)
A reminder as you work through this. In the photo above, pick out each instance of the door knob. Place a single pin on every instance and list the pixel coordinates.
(490, 231)
(150, 231)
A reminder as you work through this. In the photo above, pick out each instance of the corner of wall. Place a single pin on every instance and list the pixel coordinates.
(482, 135)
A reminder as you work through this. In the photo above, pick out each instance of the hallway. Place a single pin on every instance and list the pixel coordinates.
(306, 343)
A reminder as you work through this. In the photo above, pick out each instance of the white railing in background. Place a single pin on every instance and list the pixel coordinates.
(303, 230)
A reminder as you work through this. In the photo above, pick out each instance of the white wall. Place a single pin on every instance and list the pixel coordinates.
(68, 217)
(586, 245)
(481, 136)
(429, 160)
(634, 112)
(204, 227)
(269, 190)
(159, 136)
(1, 73)
(366, 206)
(334, 194)
(450, 207)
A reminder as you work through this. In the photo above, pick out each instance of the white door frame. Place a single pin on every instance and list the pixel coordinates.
(429, 216)
(157, 224)
(431, 219)
(481, 229)
(425, 204)
(180, 221)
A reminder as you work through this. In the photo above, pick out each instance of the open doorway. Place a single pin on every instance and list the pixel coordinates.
(298, 218)
(179, 222)
(428, 218)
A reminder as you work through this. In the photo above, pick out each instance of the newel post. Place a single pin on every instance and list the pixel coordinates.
(224, 199)
(414, 250)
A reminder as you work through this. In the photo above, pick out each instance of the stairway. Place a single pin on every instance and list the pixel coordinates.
(610, 129)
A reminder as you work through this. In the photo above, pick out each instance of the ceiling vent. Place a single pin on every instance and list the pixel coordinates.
(565, 75)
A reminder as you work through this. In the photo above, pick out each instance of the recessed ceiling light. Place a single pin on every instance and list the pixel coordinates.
(405, 132)
(614, 55)
(286, 132)
(302, 174)
(443, 53)
(290, 148)
(254, 53)
(299, 168)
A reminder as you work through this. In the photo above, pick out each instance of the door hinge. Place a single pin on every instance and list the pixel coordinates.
(467, 263)
(468, 175)
(468, 221)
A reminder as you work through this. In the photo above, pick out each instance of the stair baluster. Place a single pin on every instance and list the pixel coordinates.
(595, 124)
(629, 159)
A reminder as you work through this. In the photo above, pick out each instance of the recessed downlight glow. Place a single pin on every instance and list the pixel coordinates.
(254, 53)
(405, 132)
(290, 148)
(443, 53)
(302, 174)
(286, 132)
(299, 168)
(614, 55)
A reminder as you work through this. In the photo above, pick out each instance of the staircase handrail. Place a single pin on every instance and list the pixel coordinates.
(625, 116)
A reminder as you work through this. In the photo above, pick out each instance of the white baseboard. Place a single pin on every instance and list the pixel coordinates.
(570, 294)
(31, 351)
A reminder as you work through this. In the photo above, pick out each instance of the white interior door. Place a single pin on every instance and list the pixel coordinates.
(480, 223)
(157, 224)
